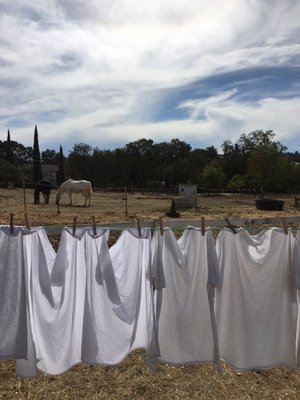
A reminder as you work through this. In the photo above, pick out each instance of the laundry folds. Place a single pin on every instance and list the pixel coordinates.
(39, 257)
(188, 300)
(134, 320)
(101, 293)
(56, 305)
(256, 305)
(13, 322)
(296, 271)
(89, 303)
(184, 296)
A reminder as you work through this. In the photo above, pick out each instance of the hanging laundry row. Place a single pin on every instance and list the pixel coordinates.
(232, 300)
(254, 321)
(87, 303)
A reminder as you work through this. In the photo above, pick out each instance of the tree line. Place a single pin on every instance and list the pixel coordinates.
(256, 160)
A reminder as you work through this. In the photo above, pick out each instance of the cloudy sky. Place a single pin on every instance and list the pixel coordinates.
(109, 72)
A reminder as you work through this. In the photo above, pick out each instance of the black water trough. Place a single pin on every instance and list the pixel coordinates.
(269, 204)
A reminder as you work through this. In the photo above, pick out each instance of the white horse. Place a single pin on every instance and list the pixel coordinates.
(70, 186)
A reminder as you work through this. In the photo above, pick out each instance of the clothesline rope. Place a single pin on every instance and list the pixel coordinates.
(214, 224)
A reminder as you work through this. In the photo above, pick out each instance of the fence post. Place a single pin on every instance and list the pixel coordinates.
(126, 204)
(24, 196)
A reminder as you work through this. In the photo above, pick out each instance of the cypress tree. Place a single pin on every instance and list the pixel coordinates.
(37, 169)
(61, 172)
(9, 153)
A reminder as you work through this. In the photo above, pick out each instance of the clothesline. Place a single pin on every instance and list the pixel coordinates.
(180, 224)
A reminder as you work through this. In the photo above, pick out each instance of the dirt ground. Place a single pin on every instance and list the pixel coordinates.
(117, 207)
(131, 379)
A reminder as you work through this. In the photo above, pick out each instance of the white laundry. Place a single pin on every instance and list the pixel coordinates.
(296, 271)
(88, 303)
(157, 267)
(133, 322)
(39, 257)
(101, 329)
(13, 323)
(296, 259)
(58, 316)
(185, 313)
(256, 306)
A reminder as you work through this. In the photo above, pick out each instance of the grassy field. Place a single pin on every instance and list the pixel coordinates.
(131, 379)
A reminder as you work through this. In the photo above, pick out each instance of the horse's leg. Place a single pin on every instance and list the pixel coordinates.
(36, 197)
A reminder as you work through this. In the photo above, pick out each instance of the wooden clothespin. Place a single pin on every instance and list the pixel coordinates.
(26, 221)
(94, 226)
(11, 223)
(74, 226)
(139, 227)
(202, 226)
(229, 224)
(161, 226)
(284, 226)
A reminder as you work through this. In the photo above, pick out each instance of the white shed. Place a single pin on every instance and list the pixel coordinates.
(187, 190)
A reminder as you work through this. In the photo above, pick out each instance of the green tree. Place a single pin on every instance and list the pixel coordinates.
(171, 161)
(259, 138)
(142, 168)
(293, 178)
(49, 156)
(197, 160)
(255, 160)
(9, 153)
(237, 182)
(37, 169)
(114, 169)
(213, 177)
(61, 165)
(9, 172)
(234, 161)
(23, 155)
(80, 162)
(263, 159)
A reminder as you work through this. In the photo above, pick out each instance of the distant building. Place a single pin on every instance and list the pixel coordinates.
(49, 172)
(187, 190)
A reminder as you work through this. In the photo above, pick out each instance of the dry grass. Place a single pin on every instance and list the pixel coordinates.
(131, 379)
(111, 207)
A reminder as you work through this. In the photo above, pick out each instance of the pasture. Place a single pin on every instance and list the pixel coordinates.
(110, 207)
(131, 379)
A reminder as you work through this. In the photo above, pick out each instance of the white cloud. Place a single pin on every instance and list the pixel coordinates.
(224, 119)
(75, 67)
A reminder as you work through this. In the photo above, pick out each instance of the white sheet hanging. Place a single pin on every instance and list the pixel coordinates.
(13, 323)
(97, 304)
(256, 307)
(58, 316)
(133, 319)
(100, 327)
(39, 257)
(184, 299)
(296, 271)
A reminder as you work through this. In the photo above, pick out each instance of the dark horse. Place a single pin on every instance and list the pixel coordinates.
(43, 187)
